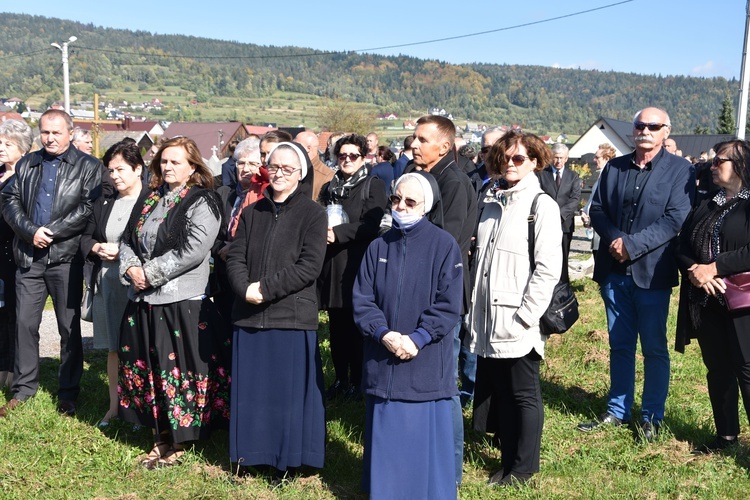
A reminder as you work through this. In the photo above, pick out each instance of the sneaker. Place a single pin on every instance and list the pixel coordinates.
(607, 419)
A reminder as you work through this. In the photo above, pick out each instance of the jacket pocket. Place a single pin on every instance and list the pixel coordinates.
(305, 309)
(505, 326)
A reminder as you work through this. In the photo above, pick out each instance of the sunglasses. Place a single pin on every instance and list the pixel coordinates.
(396, 199)
(517, 160)
(653, 127)
(485, 149)
(351, 156)
(718, 161)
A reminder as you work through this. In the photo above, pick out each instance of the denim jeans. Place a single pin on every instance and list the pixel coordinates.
(467, 372)
(634, 313)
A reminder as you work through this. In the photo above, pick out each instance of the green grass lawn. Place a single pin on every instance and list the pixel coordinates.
(46, 455)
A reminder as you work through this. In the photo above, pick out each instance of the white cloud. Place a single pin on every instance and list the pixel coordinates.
(704, 69)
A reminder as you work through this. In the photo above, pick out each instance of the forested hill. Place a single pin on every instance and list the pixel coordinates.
(539, 98)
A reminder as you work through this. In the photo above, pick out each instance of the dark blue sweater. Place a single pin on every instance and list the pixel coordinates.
(410, 282)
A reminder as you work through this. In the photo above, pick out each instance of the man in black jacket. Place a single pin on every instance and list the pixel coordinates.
(433, 152)
(564, 186)
(47, 205)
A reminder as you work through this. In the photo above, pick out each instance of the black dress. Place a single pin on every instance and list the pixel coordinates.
(722, 334)
(8, 277)
(364, 204)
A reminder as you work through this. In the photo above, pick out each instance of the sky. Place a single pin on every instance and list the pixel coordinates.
(654, 37)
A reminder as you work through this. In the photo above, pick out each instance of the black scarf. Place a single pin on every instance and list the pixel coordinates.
(173, 233)
(340, 188)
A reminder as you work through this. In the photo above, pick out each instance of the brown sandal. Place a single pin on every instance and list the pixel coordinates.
(172, 457)
(159, 450)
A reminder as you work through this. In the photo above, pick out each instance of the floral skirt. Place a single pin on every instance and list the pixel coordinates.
(174, 368)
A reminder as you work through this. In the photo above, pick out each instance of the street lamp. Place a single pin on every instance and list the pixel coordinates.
(66, 79)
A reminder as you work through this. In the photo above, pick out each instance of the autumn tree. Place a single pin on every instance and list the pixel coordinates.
(342, 116)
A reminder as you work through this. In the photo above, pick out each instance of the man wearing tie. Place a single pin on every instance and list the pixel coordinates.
(564, 185)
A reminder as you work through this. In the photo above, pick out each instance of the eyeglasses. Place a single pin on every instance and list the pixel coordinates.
(243, 164)
(718, 161)
(285, 171)
(352, 157)
(517, 160)
(653, 127)
(396, 199)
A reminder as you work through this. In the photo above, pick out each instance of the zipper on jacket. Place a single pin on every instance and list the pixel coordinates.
(398, 306)
(269, 238)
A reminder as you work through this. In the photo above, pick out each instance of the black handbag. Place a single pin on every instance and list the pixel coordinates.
(562, 312)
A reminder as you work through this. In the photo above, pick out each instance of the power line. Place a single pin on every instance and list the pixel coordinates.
(24, 54)
(372, 49)
(479, 33)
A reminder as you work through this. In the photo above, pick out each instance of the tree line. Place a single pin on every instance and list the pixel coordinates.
(539, 98)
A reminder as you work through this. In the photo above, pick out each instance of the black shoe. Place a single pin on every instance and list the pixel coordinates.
(606, 419)
(353, 393)
(66, 407)
(649, 430)
(336, 390)
(715, 446)
(514, 479)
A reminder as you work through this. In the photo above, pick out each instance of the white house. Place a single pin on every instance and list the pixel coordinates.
(616, 132)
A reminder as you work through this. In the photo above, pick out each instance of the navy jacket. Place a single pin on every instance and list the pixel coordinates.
(664, 205)
(410, 282)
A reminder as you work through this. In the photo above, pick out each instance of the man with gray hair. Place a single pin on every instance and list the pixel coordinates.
(83, 141)
(638, 210)
(564, 186)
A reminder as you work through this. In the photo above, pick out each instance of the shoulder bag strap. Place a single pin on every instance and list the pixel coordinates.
(531, 221)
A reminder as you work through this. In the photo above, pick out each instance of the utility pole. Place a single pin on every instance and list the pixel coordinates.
(66, 77)
(744, 78)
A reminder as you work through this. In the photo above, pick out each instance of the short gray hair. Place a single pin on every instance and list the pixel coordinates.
(246, 148)
(19, 132)
(79, 134)
(559, 147)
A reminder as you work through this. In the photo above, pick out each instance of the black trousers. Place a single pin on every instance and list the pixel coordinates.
(346, 345)
(64, 283)
(726, 354)
(566, 242)
(508, 402)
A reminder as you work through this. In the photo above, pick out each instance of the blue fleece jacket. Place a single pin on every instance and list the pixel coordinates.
(410, 282)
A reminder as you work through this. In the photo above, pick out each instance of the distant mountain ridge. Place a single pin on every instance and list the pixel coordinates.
(540, 98)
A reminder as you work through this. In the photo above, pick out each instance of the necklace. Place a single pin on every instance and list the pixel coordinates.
(171, 199)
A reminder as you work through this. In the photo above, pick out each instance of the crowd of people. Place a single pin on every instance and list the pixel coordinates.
(206, 289)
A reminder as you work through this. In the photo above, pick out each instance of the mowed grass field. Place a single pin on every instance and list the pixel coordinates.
(44, 455)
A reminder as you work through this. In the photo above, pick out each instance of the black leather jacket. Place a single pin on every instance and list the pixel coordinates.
(78, 184)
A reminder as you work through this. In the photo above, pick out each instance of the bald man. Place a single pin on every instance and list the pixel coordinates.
(638, 209)
(323, 174)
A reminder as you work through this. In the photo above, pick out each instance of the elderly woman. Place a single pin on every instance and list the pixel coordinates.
(278, 418)
(363, 199)
(407, 301)
(15, 141)
(252, 179)
(171, 373)
(714, 244)
(100, 243)
(511, 293)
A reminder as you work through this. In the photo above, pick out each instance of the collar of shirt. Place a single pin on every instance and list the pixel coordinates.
(650, 165)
